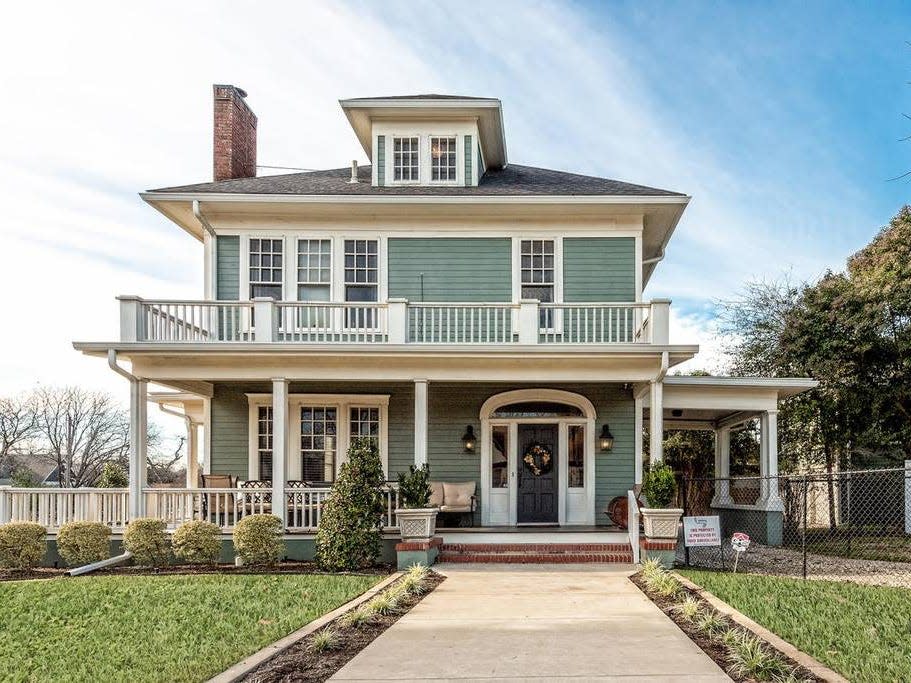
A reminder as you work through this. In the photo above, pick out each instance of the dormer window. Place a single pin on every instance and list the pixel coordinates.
(406, 159)
(443, 158)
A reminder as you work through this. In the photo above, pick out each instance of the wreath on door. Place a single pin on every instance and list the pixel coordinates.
(538, 459)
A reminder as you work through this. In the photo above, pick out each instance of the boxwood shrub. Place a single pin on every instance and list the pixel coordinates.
(22, 545)
(197, 542)
(258, 539)
(81, 543)
(148, 540)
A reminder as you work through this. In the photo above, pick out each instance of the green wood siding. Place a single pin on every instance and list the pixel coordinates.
(380, 160)
(227, 267)
(455, 269)
(229, 445)
(599, 269)
(468, 156)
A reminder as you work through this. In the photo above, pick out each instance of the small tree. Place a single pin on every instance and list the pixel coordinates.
(348, 537)
(112, 477)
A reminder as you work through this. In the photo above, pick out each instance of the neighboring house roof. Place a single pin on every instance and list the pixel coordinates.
(514, 180)
(44, 472)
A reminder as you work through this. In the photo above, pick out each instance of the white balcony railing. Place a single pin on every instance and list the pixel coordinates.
(394, 322)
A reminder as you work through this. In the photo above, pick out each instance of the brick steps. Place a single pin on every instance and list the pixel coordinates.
(536, 553)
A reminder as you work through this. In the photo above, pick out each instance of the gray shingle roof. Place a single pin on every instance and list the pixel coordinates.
(514, 180)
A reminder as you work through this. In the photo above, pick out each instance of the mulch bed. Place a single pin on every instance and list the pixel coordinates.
(288, 567)
(298, 663)
(712, 646)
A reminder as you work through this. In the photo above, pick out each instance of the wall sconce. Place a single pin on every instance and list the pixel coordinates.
(606, 440)
(469, 441)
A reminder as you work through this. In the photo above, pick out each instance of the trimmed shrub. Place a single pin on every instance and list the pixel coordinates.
(414, 487)
(197, 542)
(660, 486)
(22, 545)
(348, 537)
(147, 539)
(258, 539)
(81, 543)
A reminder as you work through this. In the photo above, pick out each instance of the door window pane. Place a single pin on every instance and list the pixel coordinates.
(576, 457)
(499, 457)
(318, 443)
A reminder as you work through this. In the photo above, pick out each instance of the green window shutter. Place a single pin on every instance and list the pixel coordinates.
(380, 160)
(227, 267)
(468, 157)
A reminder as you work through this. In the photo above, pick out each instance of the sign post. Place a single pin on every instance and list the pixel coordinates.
(739, 542)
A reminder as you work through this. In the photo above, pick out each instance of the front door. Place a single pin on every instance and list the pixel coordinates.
(537, 474)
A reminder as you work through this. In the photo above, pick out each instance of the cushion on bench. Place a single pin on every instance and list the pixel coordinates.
(436, 494)
(457, 495)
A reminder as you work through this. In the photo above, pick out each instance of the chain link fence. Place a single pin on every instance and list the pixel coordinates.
(853, 526)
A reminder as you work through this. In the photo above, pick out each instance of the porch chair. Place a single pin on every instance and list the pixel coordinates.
(455, 498)
(226, 505)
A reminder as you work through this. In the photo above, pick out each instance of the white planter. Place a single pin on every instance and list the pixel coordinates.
(661, 522)
(417, 524)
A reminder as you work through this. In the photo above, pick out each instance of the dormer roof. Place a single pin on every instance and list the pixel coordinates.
(487, 111)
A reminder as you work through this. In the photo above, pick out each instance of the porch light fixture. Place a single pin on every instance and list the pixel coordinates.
(469, 440)
(606, 440)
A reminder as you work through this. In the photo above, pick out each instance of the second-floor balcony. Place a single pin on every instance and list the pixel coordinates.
(396, 321)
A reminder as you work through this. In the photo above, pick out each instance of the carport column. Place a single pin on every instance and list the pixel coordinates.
(769, 498)
(722, 468)
(280, 438)
(656, 423)
(139, 429)
(420, 422)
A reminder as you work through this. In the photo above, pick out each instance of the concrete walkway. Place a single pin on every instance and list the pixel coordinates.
(533, 622)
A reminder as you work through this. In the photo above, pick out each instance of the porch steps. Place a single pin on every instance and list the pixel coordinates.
(536, 553)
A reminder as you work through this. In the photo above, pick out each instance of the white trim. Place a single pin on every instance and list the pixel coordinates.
(341, 402)
(588, 421)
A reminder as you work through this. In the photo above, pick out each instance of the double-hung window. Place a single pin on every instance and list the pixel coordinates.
(361, 281)
(406, 159)
(264, 441)
(314, 277)
(365, 422)
(442, 158)
(538, 276)
(319, 426)
(265, 268)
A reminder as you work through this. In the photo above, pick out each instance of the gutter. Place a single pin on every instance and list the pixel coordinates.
(112, 362)
(203, 221)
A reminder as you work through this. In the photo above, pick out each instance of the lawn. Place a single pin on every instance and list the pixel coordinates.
(155, 628)
(863, 632)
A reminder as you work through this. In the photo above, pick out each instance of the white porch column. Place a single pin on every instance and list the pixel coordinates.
(769, 498)
(656, 422)
(722, 467)
(192, 454)
(139, 426)
(420, 422)
(280, 438)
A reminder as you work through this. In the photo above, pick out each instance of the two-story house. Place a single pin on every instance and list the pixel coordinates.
(484, 317)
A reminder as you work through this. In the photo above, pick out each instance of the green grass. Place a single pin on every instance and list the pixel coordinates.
(863, 632)
(155, 628)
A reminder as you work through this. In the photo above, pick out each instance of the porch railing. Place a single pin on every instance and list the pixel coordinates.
(395, 322)
(632, 523)
(52, 508)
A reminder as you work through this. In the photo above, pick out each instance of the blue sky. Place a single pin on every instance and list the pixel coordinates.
(782, 120)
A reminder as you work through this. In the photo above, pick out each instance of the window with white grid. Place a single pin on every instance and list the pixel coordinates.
(406, 159)
(537, 275)
(443, 158)
(264, 441)
(365, 422)
(314, 269)
(265, 268)
(318, 442)
(361, 280)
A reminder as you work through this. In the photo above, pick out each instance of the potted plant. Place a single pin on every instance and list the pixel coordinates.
(417, 520)
(660, 491)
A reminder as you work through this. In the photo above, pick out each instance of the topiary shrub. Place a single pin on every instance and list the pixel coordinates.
(348, 537)
(660, 485)
(81, 543)
(22, 545)
(197, 542)
(414, 487)
(147, 539)
(258, 539)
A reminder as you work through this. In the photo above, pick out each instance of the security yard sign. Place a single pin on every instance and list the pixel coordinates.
(739, 542)
(701, 531)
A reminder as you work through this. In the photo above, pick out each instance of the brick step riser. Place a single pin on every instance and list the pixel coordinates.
(536, 548)
(537, 559)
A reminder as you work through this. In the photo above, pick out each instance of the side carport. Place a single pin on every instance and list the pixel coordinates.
(721, 405)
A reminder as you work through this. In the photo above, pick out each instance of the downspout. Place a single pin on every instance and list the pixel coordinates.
(204, 222)
(112, 362)
(102, 564)
(654, 259)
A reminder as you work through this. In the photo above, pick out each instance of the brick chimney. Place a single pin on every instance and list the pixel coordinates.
(235, 134)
